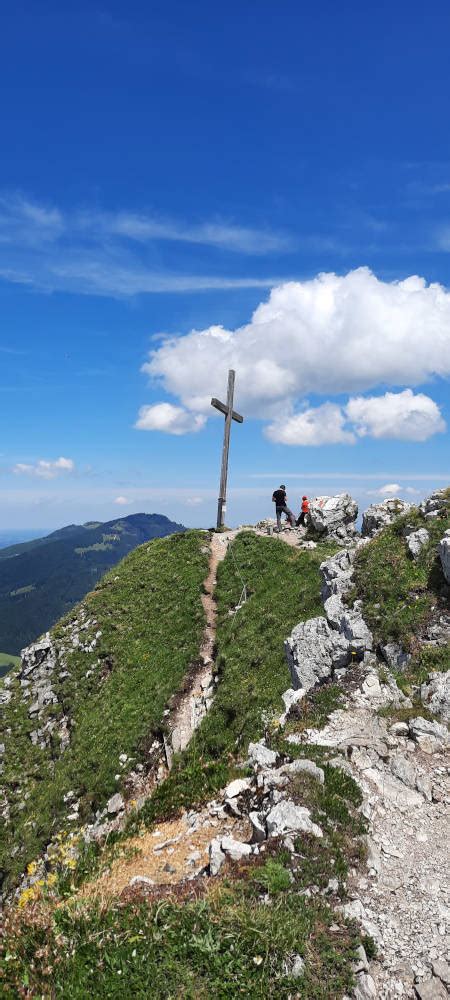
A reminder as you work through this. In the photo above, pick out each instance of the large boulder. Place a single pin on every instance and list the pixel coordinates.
(380, 515)
(333, 517)
(314, 651)
(444, 554)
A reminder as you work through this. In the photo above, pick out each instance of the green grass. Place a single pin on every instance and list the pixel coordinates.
(283, 586)
(226, 945)
(7, 662)
(232, 941)
(230, 937)
(149, 612)
(425, 661)
(398, 592)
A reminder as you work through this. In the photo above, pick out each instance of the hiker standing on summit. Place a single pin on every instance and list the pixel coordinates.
(304, 511)
(280, 500)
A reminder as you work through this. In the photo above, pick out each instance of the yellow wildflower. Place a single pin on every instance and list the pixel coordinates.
(27, 895)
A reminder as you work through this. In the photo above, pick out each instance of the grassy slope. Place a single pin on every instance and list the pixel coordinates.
(7, 662)
(283, 587)
(149, 612)
(228, 943)
(42, 579)
(398, 592)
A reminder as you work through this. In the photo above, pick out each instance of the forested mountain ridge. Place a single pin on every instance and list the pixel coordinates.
(42, 579)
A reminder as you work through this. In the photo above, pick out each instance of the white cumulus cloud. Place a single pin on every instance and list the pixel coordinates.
(169, 418)
(401, 415)
(328, 335)
(44, 469)
(389, 490)
(122, 501)
(320, 425)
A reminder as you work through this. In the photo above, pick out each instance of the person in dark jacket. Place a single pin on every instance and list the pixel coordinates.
(280, 500)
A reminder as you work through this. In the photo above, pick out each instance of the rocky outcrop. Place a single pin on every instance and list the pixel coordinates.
(333, 517)
(337, 573)
(430, 736)
(444, 555)
(435, 695)
(381, 515)
(394, 655)
(438, 503)
(313, 652)
(318, 647)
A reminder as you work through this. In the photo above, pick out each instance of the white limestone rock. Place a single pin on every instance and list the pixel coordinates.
(260, 755)
(313, 651)
(237, 787)
(286, 817)
(365, 988)
(236, 849)
(290, 698)
(35, 655)
(395, 656)
(259, 832)
(334, 517)
(115, 804)
(437, 502)
(429, 735)
(337, 572)
(303, 766)
(431, 989)
(435, 694)
(216, 856)
(416, 540)
(355, 629)
(380, 515)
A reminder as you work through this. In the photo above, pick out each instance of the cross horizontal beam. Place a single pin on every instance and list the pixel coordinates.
(224, 409)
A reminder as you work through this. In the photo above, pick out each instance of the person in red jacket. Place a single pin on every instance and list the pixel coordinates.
(304, 512)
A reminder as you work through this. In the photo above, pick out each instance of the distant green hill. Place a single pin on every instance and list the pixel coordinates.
(6, 662)
(42, 579)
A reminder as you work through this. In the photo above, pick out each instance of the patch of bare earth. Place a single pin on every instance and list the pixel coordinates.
(170, 854)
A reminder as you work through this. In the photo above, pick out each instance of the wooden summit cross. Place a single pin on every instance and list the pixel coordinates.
(230, 414)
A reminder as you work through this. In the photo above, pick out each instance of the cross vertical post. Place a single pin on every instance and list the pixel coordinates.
(230, 414)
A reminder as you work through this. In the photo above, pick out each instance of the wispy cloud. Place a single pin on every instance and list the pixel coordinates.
(44, 468)
(241, 239)
(112, 253)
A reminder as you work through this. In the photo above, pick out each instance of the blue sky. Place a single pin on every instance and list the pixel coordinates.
(168, 168)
